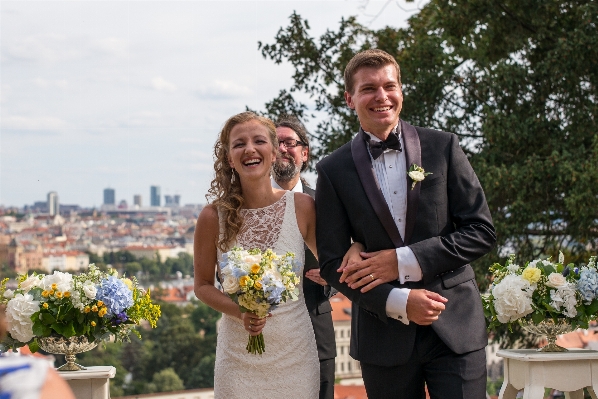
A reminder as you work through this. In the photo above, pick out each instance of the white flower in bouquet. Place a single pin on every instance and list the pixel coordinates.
(564, 297)
(512, 298)
(556, 280)
(63, 281)
(9, 294)
(18, 316)
(230, 285)
(30, 282)
(89, 289)
(513, 268)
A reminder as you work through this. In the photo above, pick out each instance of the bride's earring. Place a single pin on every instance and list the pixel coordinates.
(232, 178)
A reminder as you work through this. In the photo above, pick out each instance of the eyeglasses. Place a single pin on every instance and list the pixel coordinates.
(291, 143)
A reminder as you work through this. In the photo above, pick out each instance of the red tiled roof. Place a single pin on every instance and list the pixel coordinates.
(340, 305)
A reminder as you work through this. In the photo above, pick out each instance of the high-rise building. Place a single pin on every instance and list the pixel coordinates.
(168, 200)
(155, 196)
(53, 206)
(137, 200)
(177, 200)
(109, 196)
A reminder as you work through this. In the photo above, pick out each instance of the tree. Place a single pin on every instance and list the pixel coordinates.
(204, 318)
(165, 381)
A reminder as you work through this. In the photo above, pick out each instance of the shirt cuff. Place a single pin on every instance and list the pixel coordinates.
(396, 304)
(409, 269)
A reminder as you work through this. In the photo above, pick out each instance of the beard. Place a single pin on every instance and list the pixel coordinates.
(285, 171)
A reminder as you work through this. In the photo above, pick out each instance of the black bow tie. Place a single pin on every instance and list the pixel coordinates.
(377, 148)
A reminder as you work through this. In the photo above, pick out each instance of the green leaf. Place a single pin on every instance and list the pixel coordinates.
(537, 317)
(48, 319)
(592, 308)
(33, 346)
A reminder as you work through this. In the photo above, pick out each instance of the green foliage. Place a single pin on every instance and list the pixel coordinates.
(204, 318)
(166, 380)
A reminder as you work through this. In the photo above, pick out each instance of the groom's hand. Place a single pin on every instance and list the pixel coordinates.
(376, 268)
(424, 307)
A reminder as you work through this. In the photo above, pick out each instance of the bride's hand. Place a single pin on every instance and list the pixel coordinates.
(253, 323)
(352, 256)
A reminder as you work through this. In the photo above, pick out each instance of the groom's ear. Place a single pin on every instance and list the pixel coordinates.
(349, 100)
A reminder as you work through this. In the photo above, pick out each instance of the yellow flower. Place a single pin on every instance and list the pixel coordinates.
(45, 305)
(100, 303)
(67, 294)
(243, 281)
(128, 282)
(532, 274)
(102, 312)
(51, 293)
(94, 308)
(258, 285)
(45, 294)
(93, 323)
(58, 294)
(54, 286)
(87, 309)
(255, 268)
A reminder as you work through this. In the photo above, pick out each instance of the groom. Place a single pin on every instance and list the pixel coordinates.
(417, 318)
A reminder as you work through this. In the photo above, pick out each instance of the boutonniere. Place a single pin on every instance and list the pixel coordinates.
(417, 174)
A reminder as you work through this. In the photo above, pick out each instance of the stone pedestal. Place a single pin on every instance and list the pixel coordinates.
(93, 383)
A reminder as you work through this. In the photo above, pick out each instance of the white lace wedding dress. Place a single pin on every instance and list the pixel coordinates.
(289, 368)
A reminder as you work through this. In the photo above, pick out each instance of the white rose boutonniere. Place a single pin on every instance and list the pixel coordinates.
(417, 174)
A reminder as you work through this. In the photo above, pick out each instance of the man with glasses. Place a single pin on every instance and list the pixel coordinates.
(293, 159)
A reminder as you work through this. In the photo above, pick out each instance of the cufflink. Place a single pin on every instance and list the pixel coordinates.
(406, 277)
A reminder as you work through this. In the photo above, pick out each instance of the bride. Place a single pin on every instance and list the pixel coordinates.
(246, 211)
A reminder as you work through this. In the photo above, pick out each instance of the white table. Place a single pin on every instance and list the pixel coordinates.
(532, 371)
(93, 383)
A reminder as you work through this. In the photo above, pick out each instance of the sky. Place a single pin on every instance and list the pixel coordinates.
(130, 94)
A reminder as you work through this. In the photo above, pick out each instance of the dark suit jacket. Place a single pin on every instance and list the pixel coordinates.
(318, 305)
(448, 225)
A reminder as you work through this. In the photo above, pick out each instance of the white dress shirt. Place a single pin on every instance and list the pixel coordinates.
(297, 189)
(391, 173)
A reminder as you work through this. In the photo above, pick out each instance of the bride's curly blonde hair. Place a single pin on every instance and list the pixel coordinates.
(225, 193)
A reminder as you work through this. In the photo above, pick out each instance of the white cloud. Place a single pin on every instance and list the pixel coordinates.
(224, 89)
(50, 83)
(42, 123)
(161, 84)
(114, 46)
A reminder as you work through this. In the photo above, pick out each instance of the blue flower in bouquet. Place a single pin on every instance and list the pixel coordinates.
(588, 284)
(237, 272)
(115, 294)
(120, 318)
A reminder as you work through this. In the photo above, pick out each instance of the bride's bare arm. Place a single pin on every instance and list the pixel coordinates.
(204, 263)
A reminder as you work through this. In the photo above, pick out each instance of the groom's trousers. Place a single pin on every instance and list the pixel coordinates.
(446, 374)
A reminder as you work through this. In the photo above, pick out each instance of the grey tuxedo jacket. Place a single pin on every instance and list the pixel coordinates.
(448, 225)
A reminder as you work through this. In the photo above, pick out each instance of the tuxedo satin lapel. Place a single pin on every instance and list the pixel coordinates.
(413, 155)
(363, 164)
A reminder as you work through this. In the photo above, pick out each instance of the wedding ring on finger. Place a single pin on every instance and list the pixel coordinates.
(372, 277)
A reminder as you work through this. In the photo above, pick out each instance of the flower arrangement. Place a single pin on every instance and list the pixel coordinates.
(542, 290)
(94, 304)
(258, 282)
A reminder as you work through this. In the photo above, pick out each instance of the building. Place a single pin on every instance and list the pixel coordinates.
(168, 201)
(109, 196)
(345, 366)
(53, 205)
(137, 200)
(155, 196)
(177, 200)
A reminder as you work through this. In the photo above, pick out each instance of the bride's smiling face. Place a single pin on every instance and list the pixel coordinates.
(251, 153)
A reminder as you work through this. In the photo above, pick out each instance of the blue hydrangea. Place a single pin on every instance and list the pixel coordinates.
(588, 284)
(115, 294)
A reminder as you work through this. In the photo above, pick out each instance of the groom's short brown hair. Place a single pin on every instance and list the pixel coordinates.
(373, 58)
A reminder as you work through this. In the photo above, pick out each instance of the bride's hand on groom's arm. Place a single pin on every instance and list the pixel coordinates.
(375, 269)
(314, 275)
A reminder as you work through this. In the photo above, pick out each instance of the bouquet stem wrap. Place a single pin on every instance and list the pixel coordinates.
(256, 344)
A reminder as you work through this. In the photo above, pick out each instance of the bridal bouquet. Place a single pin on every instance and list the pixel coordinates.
(258, 282)
(94, 304)
(541, 290)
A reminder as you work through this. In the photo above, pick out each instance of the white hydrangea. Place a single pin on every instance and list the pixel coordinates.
(90, 289)
(564, 297)
(513, 268)
(512, 298)
(18, 317)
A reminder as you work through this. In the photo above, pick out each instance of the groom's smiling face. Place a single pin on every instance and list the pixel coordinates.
(377, 98)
